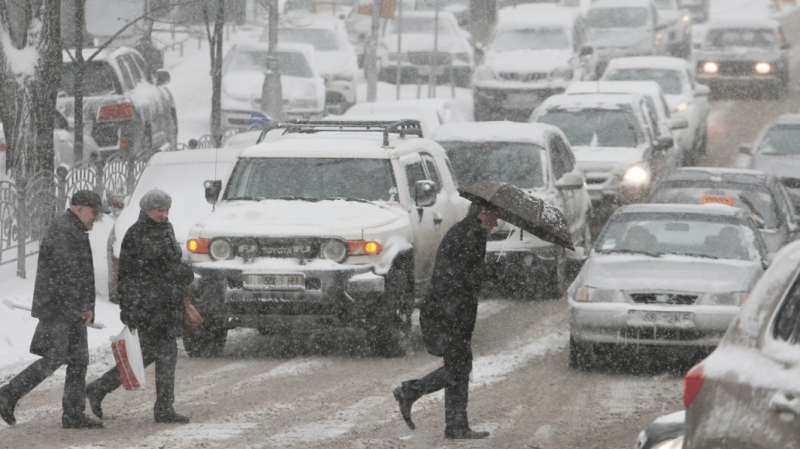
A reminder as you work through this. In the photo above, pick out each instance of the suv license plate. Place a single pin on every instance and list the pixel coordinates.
(274, 281)
(646, 318)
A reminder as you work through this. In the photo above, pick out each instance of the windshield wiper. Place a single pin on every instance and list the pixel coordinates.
(631, 251)
(243, 198)
(707, 256)
(292, 198)
(359, 200)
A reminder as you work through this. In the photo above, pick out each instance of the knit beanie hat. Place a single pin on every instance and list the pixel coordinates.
(155, 199)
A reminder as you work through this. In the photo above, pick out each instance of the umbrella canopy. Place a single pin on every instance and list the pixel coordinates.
(520, 209)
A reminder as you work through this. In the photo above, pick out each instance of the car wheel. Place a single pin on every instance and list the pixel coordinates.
(389, 324)
(580, 355)
(207, 341)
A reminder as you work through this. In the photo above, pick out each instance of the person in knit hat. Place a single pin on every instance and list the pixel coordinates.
(152, 282)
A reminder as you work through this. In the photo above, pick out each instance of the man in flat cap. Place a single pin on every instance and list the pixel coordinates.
(152, 281)
(63, 301)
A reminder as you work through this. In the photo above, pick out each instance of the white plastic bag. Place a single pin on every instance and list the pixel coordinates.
(128, 355)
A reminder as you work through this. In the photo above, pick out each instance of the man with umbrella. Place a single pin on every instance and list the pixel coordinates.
(448, 313)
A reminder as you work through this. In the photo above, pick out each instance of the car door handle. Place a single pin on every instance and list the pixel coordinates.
(785, 402)
(437, 219)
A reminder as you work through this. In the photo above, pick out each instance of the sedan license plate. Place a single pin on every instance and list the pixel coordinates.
(647, 318)
(274, 281)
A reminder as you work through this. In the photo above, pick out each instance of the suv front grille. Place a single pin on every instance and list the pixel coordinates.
(663, 298)
(301, 248)
(523, 77)
(736, 68)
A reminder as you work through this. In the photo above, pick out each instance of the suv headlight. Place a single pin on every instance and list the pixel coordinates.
(334, 250)
(483, 73)
(591, 294)
(220, 249)
(682, 106)
(564, 73)
(763, 68)
(709, 67)
(636, 174)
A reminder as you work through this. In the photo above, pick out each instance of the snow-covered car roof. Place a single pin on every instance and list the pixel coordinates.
(621, 4)
(535, 133)
(735, 175)
(535, 16)
(433, 112)
(788, 119)
(649, 62)
(327, 22)
(747, 23)
(593, 101)
(648, 88)
(306, 49)
(684, 209)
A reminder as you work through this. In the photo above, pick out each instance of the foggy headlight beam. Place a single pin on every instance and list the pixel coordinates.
(763, 68)
(636, 175)
(710, 67)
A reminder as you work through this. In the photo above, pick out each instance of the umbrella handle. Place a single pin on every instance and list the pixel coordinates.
(504, 244)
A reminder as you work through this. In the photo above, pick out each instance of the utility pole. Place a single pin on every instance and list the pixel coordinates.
(77, 70)
(432, 78)
(271, 91)
(371, 58)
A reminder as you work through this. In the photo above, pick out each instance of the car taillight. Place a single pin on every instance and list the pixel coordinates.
(115, 111)
(123, 142)
(364, 248)
(692, 384)
(198, 246)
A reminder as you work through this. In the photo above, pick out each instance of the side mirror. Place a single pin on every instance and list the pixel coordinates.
(664, 143)
(679, 123)
(162, 77)
(701, 90)
(746, 149)
(213, 188)
(587, 51)
(425, 193)
(570, 181)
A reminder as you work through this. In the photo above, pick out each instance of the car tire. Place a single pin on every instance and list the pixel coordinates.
(580, 355)
(207, 341)
(389, 323)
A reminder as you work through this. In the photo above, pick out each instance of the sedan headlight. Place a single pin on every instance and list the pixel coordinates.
(726, 298)
(220, 249)
(591, 294)
(682, 106)
(483, 73)
(564, 73)
(710, 67)
(763, 68)
(636, 175)
(334, 250)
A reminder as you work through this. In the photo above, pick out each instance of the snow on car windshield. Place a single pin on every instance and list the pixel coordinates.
(311, 178)
(99, 79)
(321, 39)
(418, 25)
(519, 164)
(617, 17)
(669, 80)
(781, 140)
(756, 199)
(741, 37)
(596, 127)
(289, 63)
(691, 235)
(530, 39)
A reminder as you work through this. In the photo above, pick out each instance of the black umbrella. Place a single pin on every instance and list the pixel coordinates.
(520, 209)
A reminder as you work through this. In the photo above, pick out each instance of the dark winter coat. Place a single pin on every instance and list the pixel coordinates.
(152, 277)
(64, 286)
(447, 316)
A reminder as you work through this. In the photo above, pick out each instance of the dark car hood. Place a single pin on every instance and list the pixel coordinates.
(738, 54)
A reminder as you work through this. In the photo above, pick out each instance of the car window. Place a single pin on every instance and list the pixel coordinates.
(596, 127)
(781, 140)
(517, 163)
(414, 172)
(133, 69)
(127, 80)
(144, 68)
(561, 158)
(785, 201)
(786, 326)
(742, 37)
(530, 39)
(320, 38)
(617, 17)
(433, 173)
(692, 235)
(669, 80)
(289, 63)
(99, 79)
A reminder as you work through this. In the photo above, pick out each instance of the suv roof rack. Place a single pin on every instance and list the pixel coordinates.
(402, 127)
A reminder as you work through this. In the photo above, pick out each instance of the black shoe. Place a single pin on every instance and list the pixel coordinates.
(465, 434)
(95, 398)
(81, 421)
(405, 406)
(7, 406)
(171, 417)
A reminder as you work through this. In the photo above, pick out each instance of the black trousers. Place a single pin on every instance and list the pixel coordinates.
(158, 348)
(61, 343)
(454, 378)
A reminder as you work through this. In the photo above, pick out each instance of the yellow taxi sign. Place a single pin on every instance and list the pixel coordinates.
(717, 199)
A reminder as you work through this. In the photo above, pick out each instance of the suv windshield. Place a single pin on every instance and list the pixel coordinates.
(321, 39)
(99, 79)
(742, 37)
(289, 63)
(519, 164)
(617, 18)
(530, 39)
(418, 25)
(596, 127)
(756, 199)
(312, 178)
(781, 140)
(692, 235)
(669, 80)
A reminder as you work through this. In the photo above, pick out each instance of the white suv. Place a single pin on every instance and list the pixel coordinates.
(321, 225)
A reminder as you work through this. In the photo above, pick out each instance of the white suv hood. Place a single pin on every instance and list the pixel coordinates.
(528, 61)
(298, 218)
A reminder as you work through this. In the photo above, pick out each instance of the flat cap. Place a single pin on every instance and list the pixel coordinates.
(89, 198)
(155, 199)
